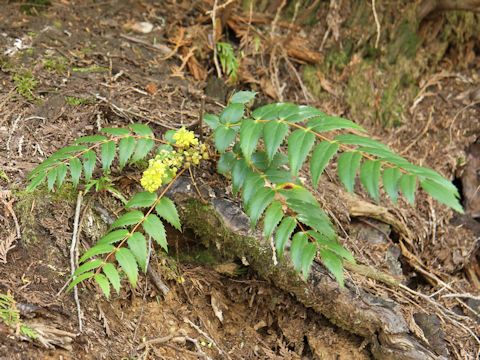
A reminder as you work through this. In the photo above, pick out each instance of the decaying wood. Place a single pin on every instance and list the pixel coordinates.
(222, 223)
(428, 7)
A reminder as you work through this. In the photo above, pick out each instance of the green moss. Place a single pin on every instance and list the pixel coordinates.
(337, 59)
(380, 95)
(406, 42)
(25, 84)
(29, 205)
(309, 75)
(199, 256)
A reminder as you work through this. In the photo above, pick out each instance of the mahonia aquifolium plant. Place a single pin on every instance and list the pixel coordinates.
(272, 193)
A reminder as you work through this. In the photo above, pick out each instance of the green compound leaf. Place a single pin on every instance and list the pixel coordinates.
(226, 162)
(143, 145)
(211, 120)
(154, 227)
(283, 233)
(332, 245)
(321, 156)
(129, 218)
(68, 150)
(112, 274)
(89, 160)
(274, 133)
(36, 181)
(142, 200)
(97, 250)
(243, 97)
(239, 172)
(348, 164)
(127, 261)
(259, 203)
(253, 183)
(351, 139)
(168, 211)
(303, 113)
(115, 131)
(113, 237)
(126, 146)
(390, 178)
(309, 212)
(266, 112)
(299, 240)
(328, 123)
(90, 139)
(287, 110)
(142, 149)
(408, 185)
(93, 264)
(250, 132)
(278, 176)
(142, 130)
(431, 175)
(384, 154)
(273, 216)
(308, 255)
(103, 283)
(75, 166)
(61, 173)
(232, 114)
(370, 177)
(224, 137)
(108, 154)
(300, 143)
(138, 246)
(51, 178)
(333, 263)
(79, 279)
(442, 194)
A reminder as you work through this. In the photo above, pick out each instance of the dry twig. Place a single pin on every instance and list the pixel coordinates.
(74, 257)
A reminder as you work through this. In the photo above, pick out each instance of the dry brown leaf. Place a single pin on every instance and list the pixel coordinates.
(6, 244)
(196, 69)
(151, 88)
(298, 49)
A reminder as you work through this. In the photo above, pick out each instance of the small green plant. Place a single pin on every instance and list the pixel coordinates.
(90, 69)
(55, 64)
(228, 60)
(34, 7)
(10, 315)
(77, 101)
(25, 84)
(268, 181)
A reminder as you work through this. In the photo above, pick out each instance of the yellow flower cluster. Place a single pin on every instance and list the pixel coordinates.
(153, 177)
(184, 138)
(165, 165)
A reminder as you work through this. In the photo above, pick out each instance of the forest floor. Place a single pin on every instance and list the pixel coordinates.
(68, 69)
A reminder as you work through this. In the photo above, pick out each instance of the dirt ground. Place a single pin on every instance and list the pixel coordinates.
(70, 68)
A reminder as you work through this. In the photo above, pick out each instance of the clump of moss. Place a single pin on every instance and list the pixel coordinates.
(29, 207)
(25, 84)
(379, 95)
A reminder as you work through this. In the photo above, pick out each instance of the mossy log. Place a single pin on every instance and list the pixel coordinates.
(221, 223)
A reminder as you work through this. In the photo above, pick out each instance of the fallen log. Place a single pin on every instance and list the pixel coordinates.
(221, 223)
